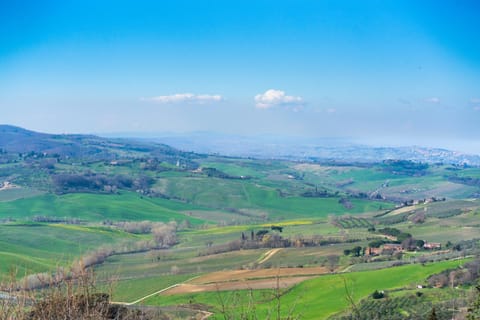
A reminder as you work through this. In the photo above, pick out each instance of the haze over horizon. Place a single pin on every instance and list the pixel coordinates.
(395, 72)
(206, 141)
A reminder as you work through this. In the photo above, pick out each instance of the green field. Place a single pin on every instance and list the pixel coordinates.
(99, 207)
(18, 193)
(246, 196)
(31, 248)
(324, 296)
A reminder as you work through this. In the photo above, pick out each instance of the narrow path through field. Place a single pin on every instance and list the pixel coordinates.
(155, 293)
(206, 314)
(347, 269)
(268, 255)
(247, 196)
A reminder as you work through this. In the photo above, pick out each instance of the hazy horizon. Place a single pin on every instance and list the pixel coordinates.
(464, 146)
(391, 72)
(471, 147)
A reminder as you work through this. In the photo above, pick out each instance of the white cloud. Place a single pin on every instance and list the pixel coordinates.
(185, 98)
(477, 108)
(475, 100)
(434, 100)
(272, 98)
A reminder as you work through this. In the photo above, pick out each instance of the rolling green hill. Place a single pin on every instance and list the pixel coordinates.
(98, 208)
(158, 216)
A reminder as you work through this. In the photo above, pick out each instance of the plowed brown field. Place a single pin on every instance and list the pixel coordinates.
(247, 279)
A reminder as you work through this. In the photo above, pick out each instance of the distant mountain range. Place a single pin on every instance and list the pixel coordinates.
(85, 147)
(173, 148)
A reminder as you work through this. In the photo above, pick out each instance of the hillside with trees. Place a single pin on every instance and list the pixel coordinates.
(166, 234)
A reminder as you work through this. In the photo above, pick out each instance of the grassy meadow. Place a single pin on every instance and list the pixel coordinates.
(98, 207)
(321, 297)
(35, 247)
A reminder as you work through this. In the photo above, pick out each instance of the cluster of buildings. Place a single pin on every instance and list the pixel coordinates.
(395, 247)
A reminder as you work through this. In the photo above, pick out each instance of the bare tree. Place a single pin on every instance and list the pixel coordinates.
(332, 262)
(165, 235)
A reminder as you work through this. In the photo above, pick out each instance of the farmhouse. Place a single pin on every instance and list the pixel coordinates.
(371, 251)
(388, 247)
(432, 245)
(392, 247)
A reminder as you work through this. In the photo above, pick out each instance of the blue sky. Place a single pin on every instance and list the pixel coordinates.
(388, 71)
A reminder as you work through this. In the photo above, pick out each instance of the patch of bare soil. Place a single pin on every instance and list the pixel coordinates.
(236, 275)
(247, 279)
(270, 283)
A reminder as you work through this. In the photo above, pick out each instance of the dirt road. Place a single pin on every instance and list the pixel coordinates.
(268, 255)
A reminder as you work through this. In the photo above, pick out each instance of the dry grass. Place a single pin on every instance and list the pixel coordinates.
(67, 296)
